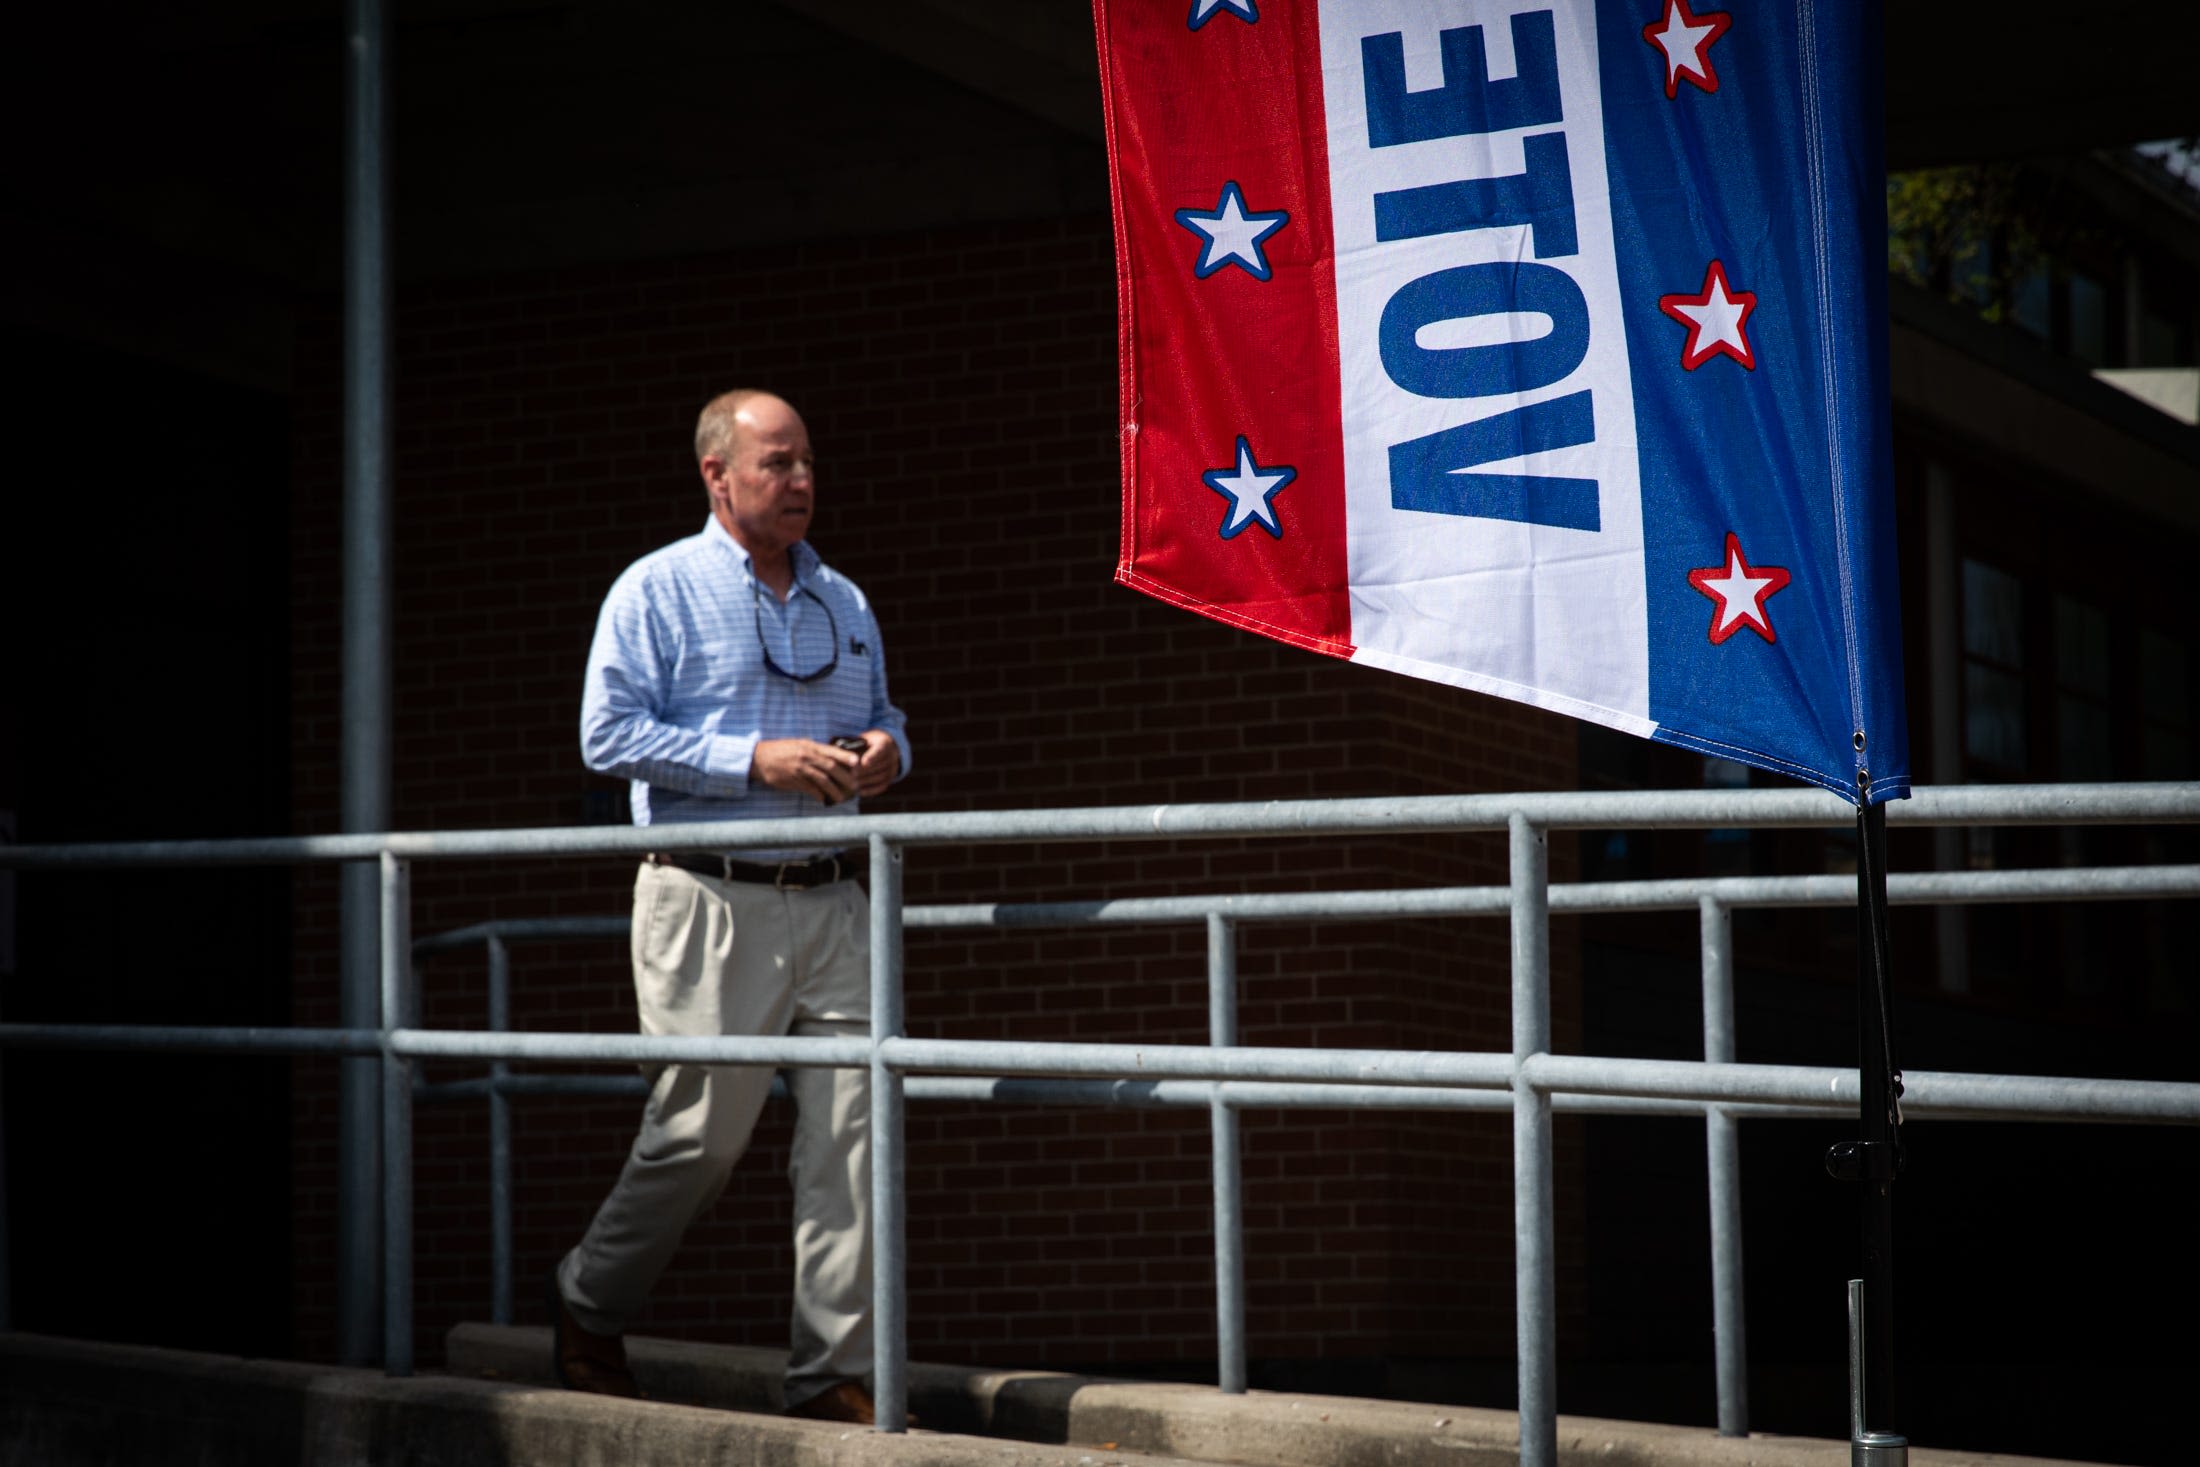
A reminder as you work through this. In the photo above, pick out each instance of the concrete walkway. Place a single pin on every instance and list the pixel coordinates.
(1259, 1428)
(71, 1403)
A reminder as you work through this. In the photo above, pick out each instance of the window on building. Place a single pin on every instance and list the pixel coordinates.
(2161, 344)
(2088, 320)
(2083, 747)
(2032, 302)
(2083, 751)
(2167, 320)
(1993, 669)
(2165, 707)
(1971, 269)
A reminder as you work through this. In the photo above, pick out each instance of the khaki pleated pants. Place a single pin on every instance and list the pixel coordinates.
(729, 957)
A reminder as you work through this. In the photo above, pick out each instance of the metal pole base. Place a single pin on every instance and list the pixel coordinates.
(1879, 1449)
(1868, 1446)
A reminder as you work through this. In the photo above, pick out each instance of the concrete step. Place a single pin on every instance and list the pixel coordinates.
(73, 1403)
(1116, 1418)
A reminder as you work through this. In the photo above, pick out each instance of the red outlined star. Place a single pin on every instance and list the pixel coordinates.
(1686, 39)
(1739, 589)
(1714, 320)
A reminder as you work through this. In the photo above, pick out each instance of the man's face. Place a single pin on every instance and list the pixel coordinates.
(763, 490)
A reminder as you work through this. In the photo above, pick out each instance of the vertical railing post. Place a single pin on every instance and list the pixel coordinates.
(397, 1172)
(366, 658)
(889, 1198)
(1229, 1203)
(1722, 1154)
(1535, 1278)
(500, 1138)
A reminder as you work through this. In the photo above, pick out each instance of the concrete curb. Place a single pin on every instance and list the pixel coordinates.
(90, 1405)
(1260, 1429)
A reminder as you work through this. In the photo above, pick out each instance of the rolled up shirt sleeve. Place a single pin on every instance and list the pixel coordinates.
(624, 730)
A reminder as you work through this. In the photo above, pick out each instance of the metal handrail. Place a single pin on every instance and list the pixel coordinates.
(1581, 898)
(1527, 1080)
(2117, 883)
(2051, 804)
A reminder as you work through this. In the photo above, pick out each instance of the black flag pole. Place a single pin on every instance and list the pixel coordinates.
(1873, 1161)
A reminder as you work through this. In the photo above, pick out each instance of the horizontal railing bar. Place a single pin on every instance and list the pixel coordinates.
(1921, 888)
(990, 1057)
(1294, 1077)
(267, 851)
(1261, 1095)
(2171, 801)
(806, 1051)
(2108, 883)
(1447, 901)
(1925, 1092)
(2037, 1097)
(613, 1087)
(1198, 1062)
(1129, 1093)
(2070, 804)
(1904, 889)
(540, 929)
(191, 1037)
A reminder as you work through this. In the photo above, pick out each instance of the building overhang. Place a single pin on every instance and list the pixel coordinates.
(1999, 392)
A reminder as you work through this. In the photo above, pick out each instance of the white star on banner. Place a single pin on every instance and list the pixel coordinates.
(1714, 319)
(1250, 490)
(1232, 234)
(1206, 10)
(1738, 590)
(1685, 39)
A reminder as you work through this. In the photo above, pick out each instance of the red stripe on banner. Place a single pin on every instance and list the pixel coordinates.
(1206, 361)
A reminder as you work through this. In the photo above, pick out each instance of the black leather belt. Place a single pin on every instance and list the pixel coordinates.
(785, 875)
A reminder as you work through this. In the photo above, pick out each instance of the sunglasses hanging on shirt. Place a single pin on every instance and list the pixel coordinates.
(771, 663)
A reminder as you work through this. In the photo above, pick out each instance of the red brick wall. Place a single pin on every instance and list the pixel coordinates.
(960, 387)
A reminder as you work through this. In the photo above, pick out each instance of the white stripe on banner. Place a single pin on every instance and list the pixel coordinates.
(1476, 284)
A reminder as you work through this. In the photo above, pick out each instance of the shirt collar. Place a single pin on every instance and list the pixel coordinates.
(799, 555)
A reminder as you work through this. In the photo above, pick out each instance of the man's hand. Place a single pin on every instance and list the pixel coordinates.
(805, 767)
(880, 764)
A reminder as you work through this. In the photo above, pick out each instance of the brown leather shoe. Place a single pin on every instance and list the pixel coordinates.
(847, 1401)
(583, 1360)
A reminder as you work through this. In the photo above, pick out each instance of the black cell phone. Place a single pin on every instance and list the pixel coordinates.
(852, 743)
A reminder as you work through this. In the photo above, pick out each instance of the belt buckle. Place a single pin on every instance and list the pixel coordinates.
(779, 877)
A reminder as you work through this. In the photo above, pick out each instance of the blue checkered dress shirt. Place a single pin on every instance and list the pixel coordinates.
(678, 695)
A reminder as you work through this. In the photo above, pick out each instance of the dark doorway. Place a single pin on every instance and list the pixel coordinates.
(143, 546)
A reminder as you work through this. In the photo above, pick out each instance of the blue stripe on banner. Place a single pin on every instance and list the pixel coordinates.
(1745, 293)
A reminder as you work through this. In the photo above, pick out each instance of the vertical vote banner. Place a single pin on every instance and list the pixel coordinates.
(1531, 346)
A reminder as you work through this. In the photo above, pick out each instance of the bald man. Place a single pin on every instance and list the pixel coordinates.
(736, 676)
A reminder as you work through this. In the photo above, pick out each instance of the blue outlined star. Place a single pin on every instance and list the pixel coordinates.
(1206, 10)
(1250, 488)
(1233, 235)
